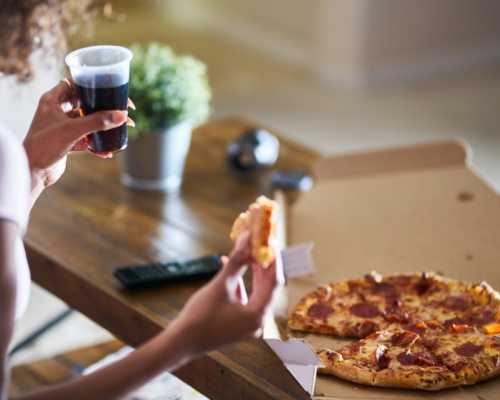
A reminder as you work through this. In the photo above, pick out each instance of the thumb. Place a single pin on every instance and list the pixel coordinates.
(240, 255)
(76, 128)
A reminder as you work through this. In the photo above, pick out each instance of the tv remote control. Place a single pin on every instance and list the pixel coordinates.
(154, 274)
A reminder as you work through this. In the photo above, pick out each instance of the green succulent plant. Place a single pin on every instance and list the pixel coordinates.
(166, 88)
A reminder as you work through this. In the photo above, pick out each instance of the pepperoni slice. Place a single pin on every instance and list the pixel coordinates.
(482, 318)
(320, 311)
(430, 344)
(393, 311)
(330, 355)
(385, 288)
(392, 301)
(395, 314)
(351, 350)
(423, 285)
(406, 358)
(418, 327)
(365, 328)
(364, 310)
(468, 349)
(402, 280)
(419, 358)
(403, 338)
(433, 324)
(458, 366)
(456, 303)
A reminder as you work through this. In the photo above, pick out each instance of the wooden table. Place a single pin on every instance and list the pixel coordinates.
(89, 224)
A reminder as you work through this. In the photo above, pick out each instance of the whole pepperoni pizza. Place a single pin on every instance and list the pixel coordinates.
(419, 331)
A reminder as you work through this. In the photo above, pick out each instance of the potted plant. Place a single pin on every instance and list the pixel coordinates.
(172, 95)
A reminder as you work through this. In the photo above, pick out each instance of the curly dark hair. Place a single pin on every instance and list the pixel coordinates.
(28, 25)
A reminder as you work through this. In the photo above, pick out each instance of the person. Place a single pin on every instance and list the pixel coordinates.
(218, 314)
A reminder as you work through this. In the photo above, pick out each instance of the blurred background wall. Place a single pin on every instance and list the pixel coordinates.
(362, 42)
(18, 101)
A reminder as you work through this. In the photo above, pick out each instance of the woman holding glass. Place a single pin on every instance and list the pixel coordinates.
(218, 314)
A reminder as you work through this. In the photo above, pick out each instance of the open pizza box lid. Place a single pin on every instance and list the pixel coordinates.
(418, 208)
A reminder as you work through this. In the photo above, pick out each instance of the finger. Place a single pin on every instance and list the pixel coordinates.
(73, 95)
(74, 129)
(130, 104)
(233, 283)
(130, 122)
(264, 282)
(240, 255)
(63, 91)
(241, 292)
(81, 145)
(224, 261)
(258, 333)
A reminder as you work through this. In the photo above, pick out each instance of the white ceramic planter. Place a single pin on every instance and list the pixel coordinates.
(155, 160)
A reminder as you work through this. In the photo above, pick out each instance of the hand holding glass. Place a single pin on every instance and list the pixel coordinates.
(101, 75)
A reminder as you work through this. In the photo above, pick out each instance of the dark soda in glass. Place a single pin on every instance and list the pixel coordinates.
(102, 99)
(101, 75)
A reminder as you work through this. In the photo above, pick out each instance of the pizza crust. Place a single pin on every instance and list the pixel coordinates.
(412, 377)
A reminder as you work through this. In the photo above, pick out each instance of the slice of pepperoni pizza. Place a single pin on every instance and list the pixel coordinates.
(432, 360)
(260, 221)
(392, 358)
(355, 308)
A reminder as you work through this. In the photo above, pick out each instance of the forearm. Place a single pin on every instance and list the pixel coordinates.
(165, 352)
(36, 188)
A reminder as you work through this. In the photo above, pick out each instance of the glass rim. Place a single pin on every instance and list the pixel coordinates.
(72, 57)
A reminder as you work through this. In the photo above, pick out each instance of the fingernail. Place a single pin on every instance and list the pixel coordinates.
(130, 122)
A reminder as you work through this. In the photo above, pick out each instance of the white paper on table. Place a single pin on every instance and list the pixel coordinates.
(299, 359)
(297, 260)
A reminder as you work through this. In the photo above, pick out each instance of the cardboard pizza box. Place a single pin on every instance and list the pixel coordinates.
(418, 208)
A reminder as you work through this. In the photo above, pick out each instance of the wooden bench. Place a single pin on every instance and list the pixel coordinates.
(26, 377)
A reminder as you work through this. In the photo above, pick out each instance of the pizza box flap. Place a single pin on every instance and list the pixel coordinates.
(417, 208)
(419, 156)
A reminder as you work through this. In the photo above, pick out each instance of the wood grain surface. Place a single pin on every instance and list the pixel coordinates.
(88, 224)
